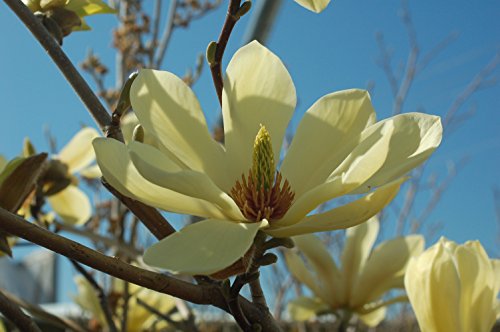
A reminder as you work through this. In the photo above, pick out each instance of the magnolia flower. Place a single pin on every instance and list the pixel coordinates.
(68, 14)
(316, 6)
(338, 149)
(60, 182)
(363, 278)
(454, 287)
(139, 318)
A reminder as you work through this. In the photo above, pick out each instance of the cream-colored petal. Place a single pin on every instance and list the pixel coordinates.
(477, 284)
(168, 109)
(304, 308)
(327, 133)
(257, 90)
(89, 7)
(373, 318)
(384, 268)
(202, 248)
(316, 6)
(157, 168)
(327, 274)
(91, 172)
(357, 247)
(71, 205)
(364, 160)
(87, 299)
(433, 287)
(301, 272)
(118, 170)
(342, 217)
(78, 153)
(414, 139)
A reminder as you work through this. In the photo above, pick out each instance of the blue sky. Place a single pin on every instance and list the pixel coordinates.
(324, 53)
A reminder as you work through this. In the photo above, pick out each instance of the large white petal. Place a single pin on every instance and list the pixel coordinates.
(257, 90)
(78, 153)
(327, 133)
(342, 217)
(157, 168)
(168, 109)
(119, 171)
(304, 308)
(203, 248)
(414, 139)
(364, 160)
(72, 205)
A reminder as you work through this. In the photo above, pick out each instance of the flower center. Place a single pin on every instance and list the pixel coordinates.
(260, 194)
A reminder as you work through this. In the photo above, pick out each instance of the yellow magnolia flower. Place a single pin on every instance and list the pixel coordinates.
(454, 287)
(69, 13)
(71, 203)
(139, 318)
(338, 149)
(362, 280)
(316, 6)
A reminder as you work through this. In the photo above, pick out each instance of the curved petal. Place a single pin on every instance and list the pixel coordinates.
(118, 170)
(72, 205)
(342, 217)
(433, 287)
(316, 6)
(91, 172)
(168, 109)
(414, 139)
(301, 272)
(358, 244)
(203, 248)
(304, 308)
(365, 160)
(328, 275)
(333, 125)
(157, 168)
(257, 90)
(386, 264)
(78, 153)
(477, 291)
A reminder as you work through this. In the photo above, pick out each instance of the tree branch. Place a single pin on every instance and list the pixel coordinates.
(16, 315)
(94, 106)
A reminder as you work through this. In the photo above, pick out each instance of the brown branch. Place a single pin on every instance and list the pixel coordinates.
(216, 64)
(94, 106)
(13, 313)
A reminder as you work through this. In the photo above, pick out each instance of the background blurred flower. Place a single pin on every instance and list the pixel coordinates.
(361, 282)
(454, 287)
(193, 174)
(314, 5)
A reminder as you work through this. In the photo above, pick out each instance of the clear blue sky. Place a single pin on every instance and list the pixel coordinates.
(327, 52)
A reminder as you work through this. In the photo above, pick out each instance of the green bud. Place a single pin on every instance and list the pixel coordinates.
(28, 148)
(245, 8)
(124, 99)
(211, 49)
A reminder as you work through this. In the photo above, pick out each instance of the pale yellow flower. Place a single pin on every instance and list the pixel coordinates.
(338, 149)
(316, 6)
(361, 281)
(71, 203)
(454, 287)
(139, 318)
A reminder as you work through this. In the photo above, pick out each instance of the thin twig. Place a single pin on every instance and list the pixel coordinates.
(154, 35)
(167, 34)
(13, 313)
(165, 317)
(216, 65)
(103, 301)
(91, 101)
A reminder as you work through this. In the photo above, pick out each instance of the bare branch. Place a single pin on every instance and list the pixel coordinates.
(167, 34)
(16, 315)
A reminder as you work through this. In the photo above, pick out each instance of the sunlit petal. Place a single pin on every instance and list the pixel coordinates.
(71, 205)
(204, 247)
(78, 153)
(316, 6)
(257, 90)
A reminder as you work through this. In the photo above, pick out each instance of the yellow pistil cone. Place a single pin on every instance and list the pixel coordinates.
(263, 167)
